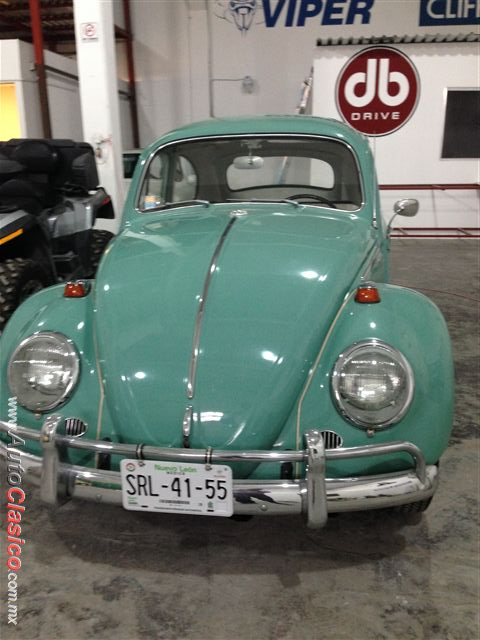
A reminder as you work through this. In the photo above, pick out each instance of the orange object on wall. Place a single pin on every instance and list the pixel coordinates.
(9, 116)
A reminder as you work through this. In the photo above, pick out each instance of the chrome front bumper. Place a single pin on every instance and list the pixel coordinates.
(315, 496)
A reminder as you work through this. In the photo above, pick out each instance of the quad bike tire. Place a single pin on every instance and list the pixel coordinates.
(99, 240)
(19, 279)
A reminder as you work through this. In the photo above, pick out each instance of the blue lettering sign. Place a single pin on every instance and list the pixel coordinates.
(332, 9)
(359, 8)
(295, 13)
(271, 17)
(290, 13)
(308, 10)
(449, 12)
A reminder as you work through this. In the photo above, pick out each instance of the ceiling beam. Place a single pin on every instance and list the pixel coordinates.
(14, 23)
(45, 11)
(18, 5)
(55, 28)
(57, 16)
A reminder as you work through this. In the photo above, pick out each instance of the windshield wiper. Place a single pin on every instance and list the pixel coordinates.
(285, 200)
(179, 203)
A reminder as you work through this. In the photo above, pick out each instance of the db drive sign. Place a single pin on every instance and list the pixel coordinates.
(378, 90)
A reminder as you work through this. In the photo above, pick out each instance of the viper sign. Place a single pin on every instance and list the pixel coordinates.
(378, 90)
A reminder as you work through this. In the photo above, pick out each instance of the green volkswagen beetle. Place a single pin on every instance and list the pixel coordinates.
(241, 350)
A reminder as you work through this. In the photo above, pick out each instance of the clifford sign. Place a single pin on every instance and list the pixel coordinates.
(449, 12)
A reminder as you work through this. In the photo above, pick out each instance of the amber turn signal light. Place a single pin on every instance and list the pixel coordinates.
(367, 295)
(76, 289)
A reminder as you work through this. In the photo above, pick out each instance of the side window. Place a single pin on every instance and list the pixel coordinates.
(129, 163)
(185, 180)
(154, 183)
(462, 116)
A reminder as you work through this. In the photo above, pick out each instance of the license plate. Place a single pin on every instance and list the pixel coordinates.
(148, 485)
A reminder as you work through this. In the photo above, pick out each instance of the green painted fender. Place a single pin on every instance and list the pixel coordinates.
(48, 310)
(413, 324)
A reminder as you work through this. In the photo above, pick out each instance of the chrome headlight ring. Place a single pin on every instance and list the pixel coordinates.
(372, 384)
(43, 371)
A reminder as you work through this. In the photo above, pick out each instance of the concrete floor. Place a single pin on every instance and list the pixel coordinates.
(93, 572)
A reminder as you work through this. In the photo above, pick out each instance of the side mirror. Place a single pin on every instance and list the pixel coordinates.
(407, 207)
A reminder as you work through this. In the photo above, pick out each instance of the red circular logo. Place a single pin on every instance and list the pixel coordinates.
(378, 90)
(89, 30)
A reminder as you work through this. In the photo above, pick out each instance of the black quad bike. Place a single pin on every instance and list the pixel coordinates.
(49, 201)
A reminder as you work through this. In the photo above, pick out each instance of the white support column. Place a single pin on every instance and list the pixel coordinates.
(97, 70)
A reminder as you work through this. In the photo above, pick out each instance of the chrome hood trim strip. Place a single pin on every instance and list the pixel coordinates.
(315, 366)
(201, 305)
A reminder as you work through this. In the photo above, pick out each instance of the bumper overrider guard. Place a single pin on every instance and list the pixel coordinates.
(315, 496)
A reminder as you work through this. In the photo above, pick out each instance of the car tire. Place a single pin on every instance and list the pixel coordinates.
(99, 240)
(19, 279)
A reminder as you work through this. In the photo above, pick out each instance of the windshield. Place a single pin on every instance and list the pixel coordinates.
(319, 171)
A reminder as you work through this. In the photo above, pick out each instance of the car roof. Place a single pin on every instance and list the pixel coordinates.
(290, 124)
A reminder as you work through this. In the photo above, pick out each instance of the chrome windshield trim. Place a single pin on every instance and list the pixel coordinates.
(192, 374)
(310, 136)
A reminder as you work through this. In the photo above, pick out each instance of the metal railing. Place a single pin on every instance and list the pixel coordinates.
(434, 232)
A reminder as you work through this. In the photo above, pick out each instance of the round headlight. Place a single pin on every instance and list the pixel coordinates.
(43, 371)
(372, 384)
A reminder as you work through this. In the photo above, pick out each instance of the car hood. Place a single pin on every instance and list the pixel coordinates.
(280, 275)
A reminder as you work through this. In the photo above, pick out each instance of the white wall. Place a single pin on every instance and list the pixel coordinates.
(63, 97)
(162, 66)
(180, 45)
(412, 154)
(14, 69)
(172, 47)
(17, 65)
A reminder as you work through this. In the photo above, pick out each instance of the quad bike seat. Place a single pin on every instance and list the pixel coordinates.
(67, 167)
(18, 193)
(9, 168)
(25, 176)
(37, 156)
